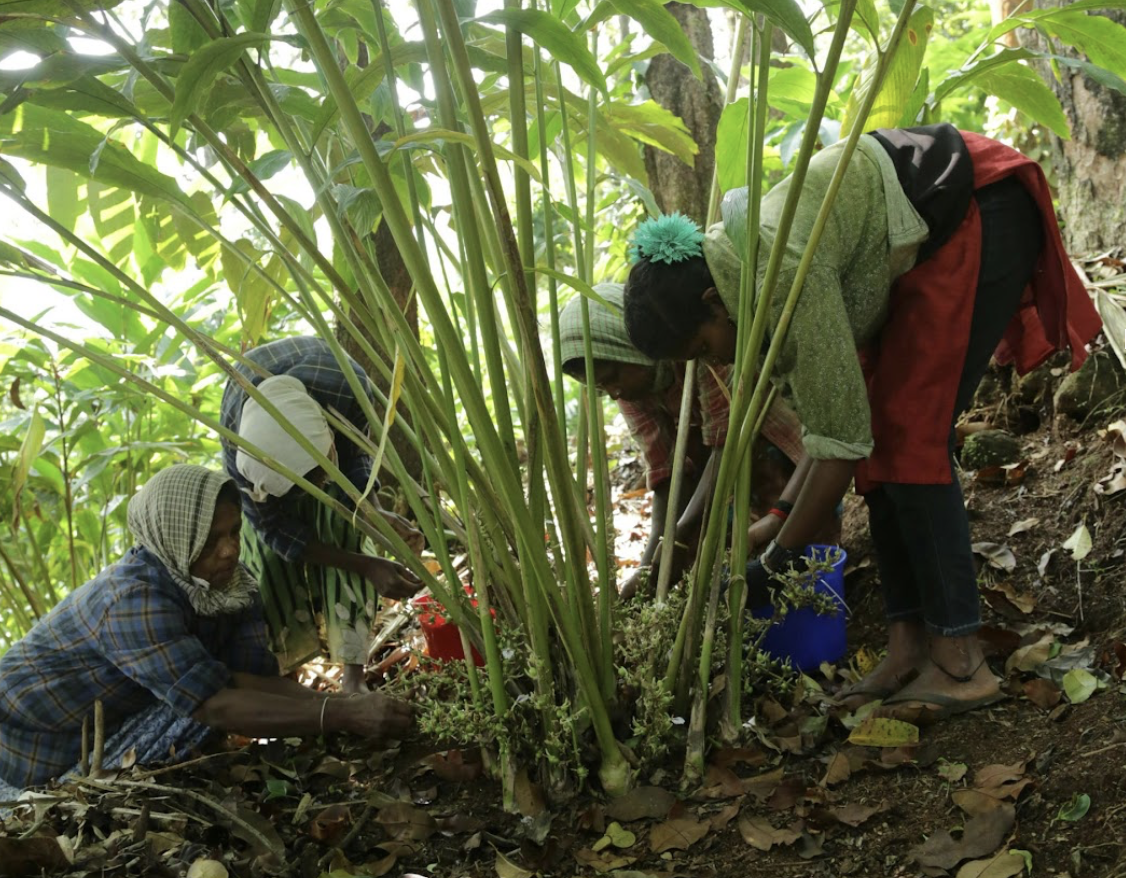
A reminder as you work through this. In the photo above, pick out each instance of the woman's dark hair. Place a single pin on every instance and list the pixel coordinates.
(575, 368)
(229, 493)
(664, 305)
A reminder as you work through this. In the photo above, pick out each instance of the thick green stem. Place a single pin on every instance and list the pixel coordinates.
(680, 452)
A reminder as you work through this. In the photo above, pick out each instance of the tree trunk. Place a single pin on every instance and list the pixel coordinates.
(675, 185)
(1091, 167)
(395, 273)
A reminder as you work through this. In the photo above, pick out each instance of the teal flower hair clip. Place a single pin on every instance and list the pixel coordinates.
(671, 238)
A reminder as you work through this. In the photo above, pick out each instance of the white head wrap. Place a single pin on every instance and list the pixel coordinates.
(171, 516)
(258, 427)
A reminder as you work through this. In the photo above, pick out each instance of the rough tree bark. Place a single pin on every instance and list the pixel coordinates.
(675, 185)
(1091, 167)
(395, 273)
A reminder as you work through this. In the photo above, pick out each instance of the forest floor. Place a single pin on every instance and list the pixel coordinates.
(1036, 782)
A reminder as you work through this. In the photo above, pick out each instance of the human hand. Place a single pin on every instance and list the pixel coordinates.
(647, 573)
(762, 532)
(374, 715)
(406, 531)
(391, 580)
(639, 578)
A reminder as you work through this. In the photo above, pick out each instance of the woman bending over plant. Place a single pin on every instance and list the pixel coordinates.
(310, 562)
(941, 248)
(171, 640)
(648, 395)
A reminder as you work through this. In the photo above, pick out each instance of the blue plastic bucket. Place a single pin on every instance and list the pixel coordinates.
(804, 637)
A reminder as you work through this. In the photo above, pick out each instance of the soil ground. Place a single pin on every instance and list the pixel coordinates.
(393, 813)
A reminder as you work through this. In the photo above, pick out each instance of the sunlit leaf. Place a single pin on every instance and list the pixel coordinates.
(203, 66)
(560, 41)
(1024, 89)
(899, 82)
(54, 138)
(660, 24)
(29, 452)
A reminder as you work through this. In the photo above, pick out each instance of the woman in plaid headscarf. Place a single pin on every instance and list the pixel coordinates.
(171, 640)
(648, 395)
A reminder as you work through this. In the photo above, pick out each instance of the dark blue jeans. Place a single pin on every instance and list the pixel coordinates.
(921, 532)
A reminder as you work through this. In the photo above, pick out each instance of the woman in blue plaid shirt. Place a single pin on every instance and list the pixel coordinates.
(171, 640)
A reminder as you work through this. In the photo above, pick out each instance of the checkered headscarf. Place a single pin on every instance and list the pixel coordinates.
(608, 336)
(171, 517)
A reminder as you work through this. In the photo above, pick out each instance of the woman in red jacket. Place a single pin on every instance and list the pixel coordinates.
(941, 248)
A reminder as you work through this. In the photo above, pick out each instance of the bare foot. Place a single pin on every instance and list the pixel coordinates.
(906, 655)
(354, 682)
(935, 694)
(887, 678)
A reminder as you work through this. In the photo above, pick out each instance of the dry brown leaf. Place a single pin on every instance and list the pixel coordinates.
(1000, 781)
(641, 803)
(721, 818)
(839, 770)
(1003, 864)
(380, 867)
(1023, 525)
(855, 815)
(679, 834)
(772, 711)
(603, 862)
(21, 857)
(982, 836)
(759, 834)
(722, 783)
(508, 869)
(1043, 693)
(1116, 435)
(456, 824)
(405, 822)
(975, 802)
(1004, 593)
(908, 754)
(329, 826)
(762, 786)
(1115, 483)
(787, 794)
(455, 766)
(998, 642)
(996, 555)
(749, 756)
(529, 797)
(334, 768)
(1030, 657)
(1119, 649)
(160, 842)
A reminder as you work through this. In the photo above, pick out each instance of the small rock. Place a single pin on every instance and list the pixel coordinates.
(990, 448)
(1084, 391)
(1035, 387)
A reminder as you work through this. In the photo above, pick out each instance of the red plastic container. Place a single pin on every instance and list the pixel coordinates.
(443, 638)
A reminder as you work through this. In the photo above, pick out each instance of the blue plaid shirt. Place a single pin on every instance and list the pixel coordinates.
(129, 637)
(278, 521)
